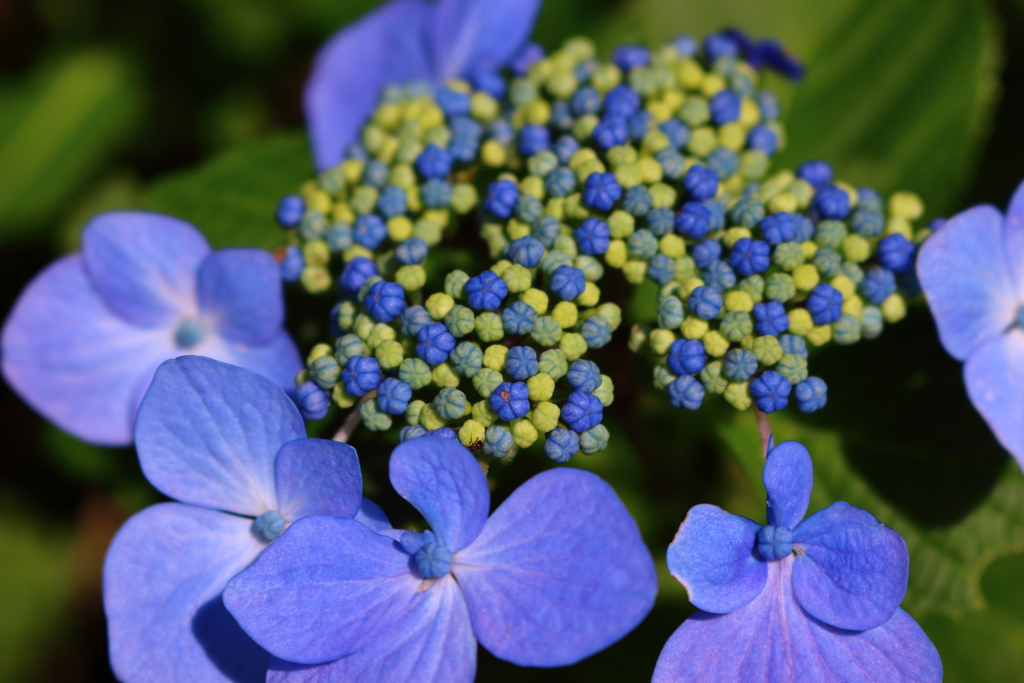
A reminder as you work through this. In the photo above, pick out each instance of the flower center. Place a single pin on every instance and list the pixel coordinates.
(1020, 316)
(433, 560)
(775, 542)
(189, 333)
(269, 525)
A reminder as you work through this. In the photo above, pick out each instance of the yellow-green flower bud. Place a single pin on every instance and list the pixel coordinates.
(715, 344)
(617, 254)
(590, 296)
(486, 380)
(317, 351)
(411, 277)
(379, 334)
(546, 331)
(489, 327)
(495, 357)
(767, 350)
(443, 376)
(373, 419)
(572, 345)
(389, 354)
(342, 397)
(606, 392)
(524, 433)
(621, 224)
(455, 284)
(541, 387)
(438, 305)
(544, 416)
(536, 298)
(660, 340)
(464, 198)
(694, 327)
(800, 322)
(517, 278)
(738, 395)
(471, 434)
(429, 419)
(484, 414)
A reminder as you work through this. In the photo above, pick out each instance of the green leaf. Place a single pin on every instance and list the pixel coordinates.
(57, 129)
(946, 563)
(232, 197)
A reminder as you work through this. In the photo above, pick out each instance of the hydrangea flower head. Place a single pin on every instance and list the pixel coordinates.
(557, 573)
(232, 448)
(972, 273)
(86, 335)
(811, 600)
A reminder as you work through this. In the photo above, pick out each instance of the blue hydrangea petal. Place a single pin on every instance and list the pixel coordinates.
(371, 516)
(443, 480)
(1013, 239)
(994, 384)
(208, 433)
(318, 477)
(311, 612)
(479, 34)
(851, 571)
(558, 573)
(74, 361)
(430, 643)
(278, 360)
(144, 265)
(162, 581)
(240, 290)
(713, 557)
(964, 274)
(788, 477)
(388, 46)
(773, 639)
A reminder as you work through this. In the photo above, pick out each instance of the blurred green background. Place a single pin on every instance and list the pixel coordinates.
(193, 107)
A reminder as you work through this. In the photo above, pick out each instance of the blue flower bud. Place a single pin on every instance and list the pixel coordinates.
(660, 221)
(356, 151)
(525, 58)
(498, 441)
(793, 344)
(414, 319)
(519, 318)
(621, 101)
(693, 221)
(436, 194)
(601, 191)
(567, 282)
(521, 363)
(385, 301)
(828, 262)
(750, 256)
(678, 132)
(443, 433)
(638, 200)
(584, 375)
(463, 148)
(339, 237)
(412, 251)
(628, 57)
(561, 444)
(811, 394)
(778, 228)
(723, 161)
(700, 182)
(593, 235)
(685, 392)
(739, 365)
(594, 440)
(452, 102)
(867, 222)
(831, 202)
(325, 371)
(586, 100)
(466, 359)
(639, 124)
(435, 342)
(747, 212)
(685, 45)
(528, 209)
(369, 230)
(290, 210)
(896, 253)
(561, 182)
(361, 374)
(825, 304)
(672, 163)
(582, 411)
(596, 331)
(313, 401)
(510, 400)
(450, 404)
(526, 251)
(292, 263)
(393, 396)
(392, 202)
(501, 131)
(612, 131)
(718, 275)
(816, 173)
(717, 210)
(553, 260)
(878, 284)
(661, 269)
(491, 82)
(770, 319)
(375, 174)
(705, 302)
(355, 273)
(486, 291)
(770, 391)
(725, 107)
(411, 432)
(704, 253)
(434, 163)
(642, 244)
(804, 227)
(502, 196)
(533, 139)
(869, 199)
(720, 45)
(565, 147)
(762, 137)
(686, 357)
(775, 542)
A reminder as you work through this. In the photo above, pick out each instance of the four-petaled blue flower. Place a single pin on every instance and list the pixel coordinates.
(701, 183)
(355, 273)
(750, 256)
(84, 338)
(825, 304)
(557, 573)
(434, 343)
(600, 192)
(582, 411)
(486, 291)
(510, 400)
(385, 301)
(770, 391)
(811, 600)
(568, 282)
(593, 236)
(694, 220)
(231, 447)
(502, 197)
(972, 272)
(361, 375)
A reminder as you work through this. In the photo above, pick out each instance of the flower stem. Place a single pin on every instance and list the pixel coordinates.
(764, 428)
(353, 420)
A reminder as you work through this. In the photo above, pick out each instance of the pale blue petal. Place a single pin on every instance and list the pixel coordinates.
(443, 480)
(788, 477)
(74, 361)
(328, 587)
(388, 45)
(994, 375)
(372, 517)
(1013, 240)
(208, 433)
(964, 274)
(713, 557)
(851, 570)
(479, 34)
(772, 639)
(240, 294)
(558, 573)
(318, 477)
(162, 581)
(144, 265)
(431, 643)
(278, 360)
